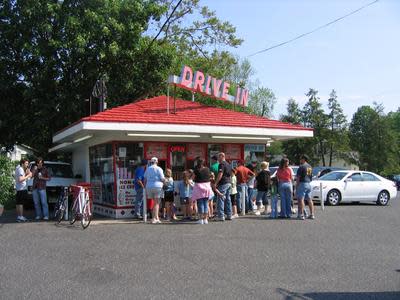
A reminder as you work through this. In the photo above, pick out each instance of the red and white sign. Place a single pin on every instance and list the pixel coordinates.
(209, 86)
(195, 150)
(233, 151)
(159, 150)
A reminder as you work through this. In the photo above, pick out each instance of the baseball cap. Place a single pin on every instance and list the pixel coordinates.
(154, 160)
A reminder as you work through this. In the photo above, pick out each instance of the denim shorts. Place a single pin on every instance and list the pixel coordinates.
(262, 197)
(303, 191)
(202, 205)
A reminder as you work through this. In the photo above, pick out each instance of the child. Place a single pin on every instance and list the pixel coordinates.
(169, 194)
(184, 190)
(192, 203)
(233, 194)
(274, 197)
(215, 190)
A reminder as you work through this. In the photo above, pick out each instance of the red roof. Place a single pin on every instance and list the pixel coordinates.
(154, 110)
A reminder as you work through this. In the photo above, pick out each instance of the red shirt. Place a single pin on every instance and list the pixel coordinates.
(284, 174)
(242, 174)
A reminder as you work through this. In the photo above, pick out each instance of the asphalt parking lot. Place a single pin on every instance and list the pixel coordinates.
(348, 252)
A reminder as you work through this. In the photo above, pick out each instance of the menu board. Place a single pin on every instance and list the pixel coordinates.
(158, 150)
(233, 151)
(195, 150)
(125, 192)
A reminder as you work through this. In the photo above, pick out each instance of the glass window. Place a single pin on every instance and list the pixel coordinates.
(213, 149)
(128, 156)
(254, 153)
(356, 177)
(102, 173)
(333, 176)
(369, 177)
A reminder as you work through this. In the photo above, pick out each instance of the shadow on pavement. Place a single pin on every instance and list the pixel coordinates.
(288, 295)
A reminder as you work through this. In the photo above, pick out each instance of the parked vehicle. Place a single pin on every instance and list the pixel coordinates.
(61, 175)
(396, 179)
(321, 171)
(353, 186)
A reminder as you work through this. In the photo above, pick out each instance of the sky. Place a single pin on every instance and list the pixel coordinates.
(359, 56)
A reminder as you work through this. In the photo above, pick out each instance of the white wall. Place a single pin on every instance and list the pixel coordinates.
(80, 162)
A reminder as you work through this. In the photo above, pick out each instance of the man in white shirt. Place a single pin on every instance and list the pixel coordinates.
(22, 174)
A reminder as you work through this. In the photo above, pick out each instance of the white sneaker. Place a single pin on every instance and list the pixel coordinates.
(46, 218)
(235, 216)
(37, 218)
(257, 213)
(200, 221)
(205, 221)
(154, 221)
(21, 219)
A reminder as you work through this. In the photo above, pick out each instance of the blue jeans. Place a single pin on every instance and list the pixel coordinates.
(202, 205)
(286, 192)
(40, 203)
(274, 206)
(249, 202)
(262, 198)
(139, 202)
(225, 189)
(242, 194)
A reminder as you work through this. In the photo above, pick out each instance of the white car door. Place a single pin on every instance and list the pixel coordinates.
(353, 187)
(372, 186)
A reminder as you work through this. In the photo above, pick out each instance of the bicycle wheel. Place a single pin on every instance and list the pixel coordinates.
(86, 215)
(72, 216)
(59, 214)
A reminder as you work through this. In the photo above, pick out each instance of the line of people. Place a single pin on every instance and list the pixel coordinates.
(232, 189)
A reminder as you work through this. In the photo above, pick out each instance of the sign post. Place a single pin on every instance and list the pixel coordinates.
(321, 196)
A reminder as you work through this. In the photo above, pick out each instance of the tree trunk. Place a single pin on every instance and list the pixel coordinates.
(330, 155)
(321, 146)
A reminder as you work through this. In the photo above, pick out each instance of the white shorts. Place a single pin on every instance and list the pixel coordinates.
(154, 193)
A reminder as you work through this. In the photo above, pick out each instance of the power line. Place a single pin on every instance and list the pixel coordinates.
(314, 30)
(162, 27)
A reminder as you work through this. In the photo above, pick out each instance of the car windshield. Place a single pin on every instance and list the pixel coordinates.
(333, 176)
(272, 170)
(59, 170)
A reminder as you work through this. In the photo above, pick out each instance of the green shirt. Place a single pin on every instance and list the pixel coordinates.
(214, 169)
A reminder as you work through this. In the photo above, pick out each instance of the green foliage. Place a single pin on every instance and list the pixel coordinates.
(262, 101)
(6, 181)
(337, 136)
(372, 136)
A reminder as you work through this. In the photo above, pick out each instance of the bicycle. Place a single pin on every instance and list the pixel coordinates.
(61, 205)
(81, 208)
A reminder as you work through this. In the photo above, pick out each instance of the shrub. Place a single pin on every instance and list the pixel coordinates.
(6, 182)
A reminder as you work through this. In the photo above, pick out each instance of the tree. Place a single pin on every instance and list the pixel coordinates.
(294, 148)
(337, 136)
(372, 137)
(52, 53)
(262, 101)
(314, 116)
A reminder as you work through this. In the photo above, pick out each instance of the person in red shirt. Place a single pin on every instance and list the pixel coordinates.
(243, 174)
(285, 177)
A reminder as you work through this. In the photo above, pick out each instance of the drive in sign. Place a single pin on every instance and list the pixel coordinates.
(208, 85)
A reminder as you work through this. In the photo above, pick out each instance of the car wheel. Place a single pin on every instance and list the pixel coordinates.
(333, 197)
(383, 198)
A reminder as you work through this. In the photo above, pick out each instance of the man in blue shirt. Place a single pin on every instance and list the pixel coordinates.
(303, 187)
(139, 187)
